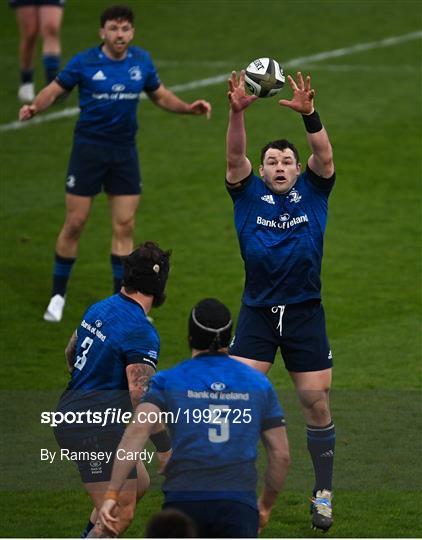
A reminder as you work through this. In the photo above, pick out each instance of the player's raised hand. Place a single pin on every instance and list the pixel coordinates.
(238, 98)
(26, 112)
(303, 95)
(200, 106)
(105, 518)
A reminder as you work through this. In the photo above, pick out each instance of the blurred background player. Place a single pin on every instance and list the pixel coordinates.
(111, 357)
(280, 218)
(37, 18)
(170, 523)
(211, 475)
(104, 156)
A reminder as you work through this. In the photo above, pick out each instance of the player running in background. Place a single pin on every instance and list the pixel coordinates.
(280, 218)
(110, 78)
(111, 358)
(221, 408)
(37, 17)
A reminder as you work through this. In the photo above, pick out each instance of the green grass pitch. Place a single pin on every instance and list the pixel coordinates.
(369, 99)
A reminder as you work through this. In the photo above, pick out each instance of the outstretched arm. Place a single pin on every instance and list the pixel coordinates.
(164, 98)
(238, 165)
(321, 160)
(46, 97)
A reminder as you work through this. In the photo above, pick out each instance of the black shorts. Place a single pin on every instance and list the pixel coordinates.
(220, 519)
(91, 469)
(36, 3)
(95, 167)
(298, 329)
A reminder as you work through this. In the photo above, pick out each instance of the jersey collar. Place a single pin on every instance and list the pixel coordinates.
(128, 299)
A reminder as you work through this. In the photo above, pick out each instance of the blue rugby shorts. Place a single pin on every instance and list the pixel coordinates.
(220, 518)
(36, 3)
(100, 440)
(94, 167)
(297, 329)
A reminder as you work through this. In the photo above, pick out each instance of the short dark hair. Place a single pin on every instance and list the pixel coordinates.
(170, 523)
(146, 271)
(280, 144)
(116, 13)
(210, 325)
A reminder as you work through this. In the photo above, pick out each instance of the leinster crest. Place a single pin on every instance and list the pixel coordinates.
(294, 196)
(135, 73)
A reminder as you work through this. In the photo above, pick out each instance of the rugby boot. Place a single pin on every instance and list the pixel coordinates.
(321, 510)
(54, 311)
(26, 93)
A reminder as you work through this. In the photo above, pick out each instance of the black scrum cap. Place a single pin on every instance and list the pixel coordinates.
(146, 270)
(210, 325)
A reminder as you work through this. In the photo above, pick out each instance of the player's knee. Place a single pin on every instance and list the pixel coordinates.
(126, 512)
(285, 459)
(30, 37)
(50, 30)
(73, 226)
(124, 228)
(316, 406)
(319, 413)
(143, 486)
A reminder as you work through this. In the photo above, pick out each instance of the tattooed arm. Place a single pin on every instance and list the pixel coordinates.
(138, 376)
(69, 352)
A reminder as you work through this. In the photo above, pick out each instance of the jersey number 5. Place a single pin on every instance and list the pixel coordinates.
(81, 359)
(222, 421)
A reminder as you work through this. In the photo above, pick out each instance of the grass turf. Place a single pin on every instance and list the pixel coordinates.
(370, 103)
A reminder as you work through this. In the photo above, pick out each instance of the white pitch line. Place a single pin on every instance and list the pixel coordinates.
(362, 67)
(359, 47)
(336, 53)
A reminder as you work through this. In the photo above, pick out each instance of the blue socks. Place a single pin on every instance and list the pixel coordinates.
(61, 273)
(321, 444)
(63, 268)
(117, 269)
(51, 66)
(27, 76)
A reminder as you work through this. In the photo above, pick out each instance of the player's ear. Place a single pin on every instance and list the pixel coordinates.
(101, 32)
(261, 170)
(299, 167)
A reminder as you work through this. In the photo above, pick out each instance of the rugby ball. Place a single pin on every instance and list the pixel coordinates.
(264, 77)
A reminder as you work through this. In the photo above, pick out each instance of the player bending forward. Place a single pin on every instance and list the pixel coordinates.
(111, 358)
(280, 218)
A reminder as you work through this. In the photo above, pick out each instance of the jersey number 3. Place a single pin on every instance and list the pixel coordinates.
(81, 359)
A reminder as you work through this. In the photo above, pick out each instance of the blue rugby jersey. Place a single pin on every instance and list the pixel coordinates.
(109, 93)
(214, 460)
(113, 333)
(281, 239)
